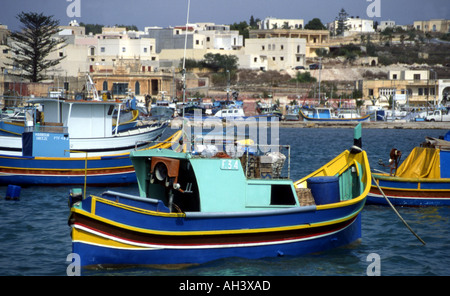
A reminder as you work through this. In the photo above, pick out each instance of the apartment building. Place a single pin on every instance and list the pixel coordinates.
(274, 53)
(314, 39)
(413, 87)
(434, 25)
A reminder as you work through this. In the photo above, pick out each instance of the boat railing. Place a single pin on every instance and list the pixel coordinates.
(47, 128)
(268, 165)
(257, 160)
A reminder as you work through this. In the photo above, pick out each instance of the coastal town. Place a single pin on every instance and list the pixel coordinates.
(266, 147)
(351, 63)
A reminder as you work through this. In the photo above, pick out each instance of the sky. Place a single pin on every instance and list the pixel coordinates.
(165, 13)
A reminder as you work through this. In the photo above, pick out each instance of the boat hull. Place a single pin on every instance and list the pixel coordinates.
(119, 234)
(410, 192)
(123, 142)
(114, 170)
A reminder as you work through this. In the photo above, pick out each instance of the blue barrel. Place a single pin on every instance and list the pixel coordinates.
(325, 189)
(13, 192)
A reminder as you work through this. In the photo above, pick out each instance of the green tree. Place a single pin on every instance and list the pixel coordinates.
(217, 62)
(341, 22)
(92, 28)
(242, 27)
(254, 22)
(34, 43)
(315, 24)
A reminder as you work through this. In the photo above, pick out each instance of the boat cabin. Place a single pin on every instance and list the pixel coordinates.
(233, 112)
(322, 113)
(185, 182)
(83, 119)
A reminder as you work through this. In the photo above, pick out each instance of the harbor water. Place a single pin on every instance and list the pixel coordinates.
(35, 236)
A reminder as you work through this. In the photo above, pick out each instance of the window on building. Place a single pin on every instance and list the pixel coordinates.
(120, 88)
(105, 85)
(137, 88)
(420, 91)
(394, 76)
(255, 60)
(197, 42)
(416, 76)
(145, 49)
(281, 58)
(102, 49)
(370, 91)
(92, 51)
(282, 47)
(262, 47)
(61, 54)
(124, 49)
(273, 58)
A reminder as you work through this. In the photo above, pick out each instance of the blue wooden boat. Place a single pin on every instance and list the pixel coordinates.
(423, 179)
(319, 114)
(194, 209)
(115, 169)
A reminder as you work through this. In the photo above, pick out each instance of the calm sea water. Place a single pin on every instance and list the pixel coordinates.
(35, 237)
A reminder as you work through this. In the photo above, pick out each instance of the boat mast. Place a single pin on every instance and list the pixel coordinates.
(184, 63)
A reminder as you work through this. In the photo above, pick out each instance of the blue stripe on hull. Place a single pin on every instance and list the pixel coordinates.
(107, 179)
(93, 255)
(408, 201)
(145, 221)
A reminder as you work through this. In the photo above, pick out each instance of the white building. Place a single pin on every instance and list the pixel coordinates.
(354, 25)
(273, 53)
(386, 24)
(270, 23)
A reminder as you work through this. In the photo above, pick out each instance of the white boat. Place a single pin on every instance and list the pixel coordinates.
(230, 113)
(88, 124)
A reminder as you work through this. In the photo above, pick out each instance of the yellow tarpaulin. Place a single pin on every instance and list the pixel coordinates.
(421, 163)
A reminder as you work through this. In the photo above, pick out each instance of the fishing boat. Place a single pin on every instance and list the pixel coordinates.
(423, 179)
(193, 209)
(292, 113)
(111, 170)
(230, 113)
(327, 114)
(87, 124)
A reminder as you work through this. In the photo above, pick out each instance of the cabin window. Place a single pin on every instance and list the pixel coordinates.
(282, 195)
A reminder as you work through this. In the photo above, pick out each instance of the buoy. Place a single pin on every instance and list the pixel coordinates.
(13, 192)
(75, 195)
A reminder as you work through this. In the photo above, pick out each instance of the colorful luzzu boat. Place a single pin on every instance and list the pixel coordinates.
(194, 209)
(423, 179)
(114, 169)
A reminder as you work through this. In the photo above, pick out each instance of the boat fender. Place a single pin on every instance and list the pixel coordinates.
(13, 192)
(75, 195)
